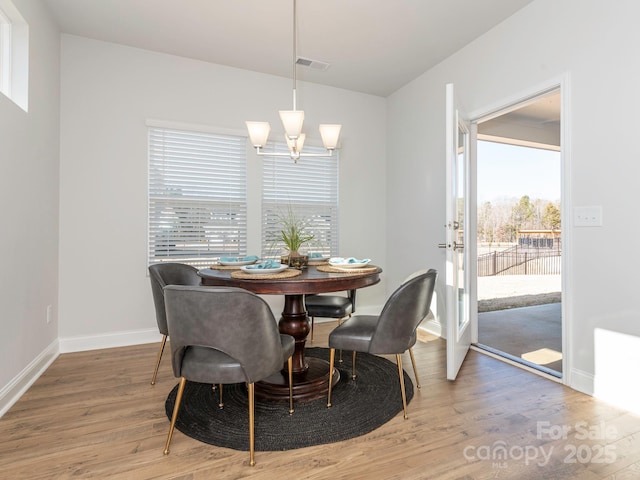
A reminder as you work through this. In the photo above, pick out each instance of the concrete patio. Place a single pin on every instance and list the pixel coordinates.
(520, 315)
(511, 291)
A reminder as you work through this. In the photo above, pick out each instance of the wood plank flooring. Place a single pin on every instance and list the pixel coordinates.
(94, 415)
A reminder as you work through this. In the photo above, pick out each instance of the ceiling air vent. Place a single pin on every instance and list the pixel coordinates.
(315, 64)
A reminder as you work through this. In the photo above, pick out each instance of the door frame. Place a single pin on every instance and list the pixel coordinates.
(459, 337)
(501, 107)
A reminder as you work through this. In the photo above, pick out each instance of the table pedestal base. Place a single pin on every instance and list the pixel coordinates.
(309, 385)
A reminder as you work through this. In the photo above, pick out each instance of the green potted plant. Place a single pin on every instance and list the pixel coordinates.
(294, 234)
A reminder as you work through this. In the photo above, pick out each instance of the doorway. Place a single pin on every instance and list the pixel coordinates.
(519, 224)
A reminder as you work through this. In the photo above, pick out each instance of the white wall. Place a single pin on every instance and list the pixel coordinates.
(29, 160)
(108, 91)
(595, 44)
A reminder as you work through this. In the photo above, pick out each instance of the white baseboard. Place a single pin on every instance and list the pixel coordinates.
(109, 340)
(432, 326)
(369, 310)
(11, 392)
(582, 381)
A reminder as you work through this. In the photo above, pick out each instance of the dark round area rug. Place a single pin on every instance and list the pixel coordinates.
(358, 407)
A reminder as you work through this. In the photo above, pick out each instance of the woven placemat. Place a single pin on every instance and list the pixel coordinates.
(315, 263)
(288, 273)
(352, 271)
(224, 267)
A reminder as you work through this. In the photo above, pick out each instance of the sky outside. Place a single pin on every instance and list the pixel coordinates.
(512, 171)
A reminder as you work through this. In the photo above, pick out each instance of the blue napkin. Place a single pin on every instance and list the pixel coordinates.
(249, 258)
(348, 260)
(315, 255)
(266, 264)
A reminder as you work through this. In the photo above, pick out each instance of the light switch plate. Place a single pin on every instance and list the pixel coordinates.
(587, 216)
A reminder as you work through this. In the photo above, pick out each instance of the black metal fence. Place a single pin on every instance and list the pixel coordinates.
(520, 261)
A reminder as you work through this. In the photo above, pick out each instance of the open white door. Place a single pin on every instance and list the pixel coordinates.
(460, 150)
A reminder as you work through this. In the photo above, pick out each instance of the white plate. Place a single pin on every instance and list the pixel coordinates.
(237, 264)
(264, 270)
(318, 259)
(349, 265)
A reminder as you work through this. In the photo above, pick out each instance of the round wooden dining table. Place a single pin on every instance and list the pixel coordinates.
(310, 374)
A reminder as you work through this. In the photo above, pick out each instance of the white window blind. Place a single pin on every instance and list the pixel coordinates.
(197, 196)
(310, 189)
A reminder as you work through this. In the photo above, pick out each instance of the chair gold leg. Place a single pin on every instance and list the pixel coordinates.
(332, 356)
(415, 368)
(252, 461)
(220, 402)
(401, 375)
(290, 366)
(155, 372)
(174, 417)
(353, 365)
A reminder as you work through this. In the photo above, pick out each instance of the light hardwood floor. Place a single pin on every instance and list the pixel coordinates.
(95, 415)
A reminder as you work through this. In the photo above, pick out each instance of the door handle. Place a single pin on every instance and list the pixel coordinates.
(442, 245)
(458, 246)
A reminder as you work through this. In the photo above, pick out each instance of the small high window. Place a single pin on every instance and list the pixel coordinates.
(5, 54)
(14, 54)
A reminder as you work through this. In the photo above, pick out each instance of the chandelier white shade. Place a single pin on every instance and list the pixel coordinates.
(292, 121)
(295, 144)
(258, 133)
(330, 135)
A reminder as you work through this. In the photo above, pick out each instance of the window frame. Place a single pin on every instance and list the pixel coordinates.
(14, 55)
(5, 53)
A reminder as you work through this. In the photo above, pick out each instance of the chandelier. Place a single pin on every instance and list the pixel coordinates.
(292, 122)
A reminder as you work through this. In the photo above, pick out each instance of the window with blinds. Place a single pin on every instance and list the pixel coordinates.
(197, 196)
(309, 188)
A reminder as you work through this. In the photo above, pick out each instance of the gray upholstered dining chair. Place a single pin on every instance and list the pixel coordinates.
(391, 332)
(161, 275)
(330, 306)
(224, 335)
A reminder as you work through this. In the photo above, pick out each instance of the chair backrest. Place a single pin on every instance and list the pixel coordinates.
(402, 313)
(415, 274)
(231, 320)
(163, 274)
